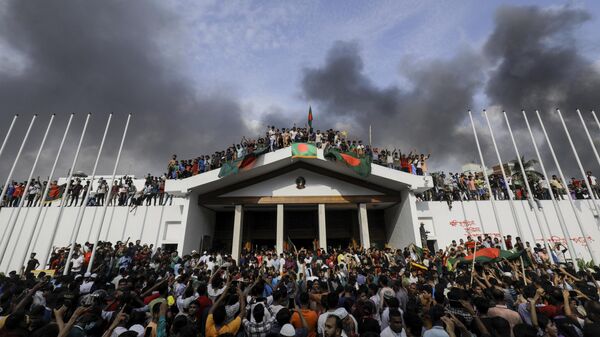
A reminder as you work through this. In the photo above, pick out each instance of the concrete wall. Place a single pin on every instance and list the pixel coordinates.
(150, 224)
(475, 217)
(401, 222)
(200, 221)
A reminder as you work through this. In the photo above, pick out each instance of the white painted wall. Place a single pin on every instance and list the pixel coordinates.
(316, 185)
(401, 222)
(146, 224)
(474, 217)
(200, 222)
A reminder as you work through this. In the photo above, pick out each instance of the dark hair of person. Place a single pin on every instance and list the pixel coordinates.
(219, 315)
(524, 330)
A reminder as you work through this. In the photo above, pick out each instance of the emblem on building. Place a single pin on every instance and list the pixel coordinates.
(300, 182)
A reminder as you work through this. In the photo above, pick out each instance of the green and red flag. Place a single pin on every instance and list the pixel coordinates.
(491, 255)
(310, 117)
(304, 150)
(55, 192)
(242, 164)
(362, 166)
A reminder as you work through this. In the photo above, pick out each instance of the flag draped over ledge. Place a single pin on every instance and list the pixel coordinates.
(362, 166)
(304, 150)
(242, 164)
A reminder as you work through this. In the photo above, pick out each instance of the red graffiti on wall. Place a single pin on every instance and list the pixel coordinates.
(470, 229)
(580, 240)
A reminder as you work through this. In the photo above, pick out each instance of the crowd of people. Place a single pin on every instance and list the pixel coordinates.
(472, 186)
(274, 139)
(122, 192)
(139, 290)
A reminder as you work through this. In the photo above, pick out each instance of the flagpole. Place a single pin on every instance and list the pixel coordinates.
(6, 138)
(13, 223)
(473, 265)
(487, 182)
(569, 196)
(81, 211)
(528, 187)
(12, 169)
(561, 218)
(44, 195)
(508, 190)
(587, 132)
(370, 138)
(65, 193)
(97, 236)
(596, 119)
(587, 183)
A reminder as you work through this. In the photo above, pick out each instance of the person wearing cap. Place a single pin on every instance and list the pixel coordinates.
(331, 302)
(349, 323)
(87, 285)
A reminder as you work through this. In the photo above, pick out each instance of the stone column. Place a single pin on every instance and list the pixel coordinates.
(363, 224)
(322, 227)
(279, 233)
(238, 227)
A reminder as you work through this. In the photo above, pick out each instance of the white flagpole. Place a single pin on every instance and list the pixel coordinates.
(473, 264)
(44, 194)
(596, 119)
(65, 194)
(81, 210)
(6, 138)
(528, 187)
(487, 182)
(587, 183)
(561, 218)
(569, 197)
(11, 225)
(587, 132)
(508, 190)
(12, 169)
(97, 236)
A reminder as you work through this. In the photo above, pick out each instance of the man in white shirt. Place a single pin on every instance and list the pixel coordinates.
(77, 261)
(395, 328)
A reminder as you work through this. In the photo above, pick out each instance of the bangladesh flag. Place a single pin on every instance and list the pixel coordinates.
(55, 192)
(242, 164)
(362, 166)
(491, 255)
(304, 150)
(310, 117)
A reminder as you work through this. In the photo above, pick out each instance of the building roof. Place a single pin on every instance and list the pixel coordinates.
(273, 163)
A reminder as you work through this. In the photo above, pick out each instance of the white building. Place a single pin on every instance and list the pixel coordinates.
(265, 207)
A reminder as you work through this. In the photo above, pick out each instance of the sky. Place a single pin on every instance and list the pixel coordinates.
(199, 75)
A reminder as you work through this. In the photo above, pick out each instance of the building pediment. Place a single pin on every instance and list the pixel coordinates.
(281, 164)
(302, 182)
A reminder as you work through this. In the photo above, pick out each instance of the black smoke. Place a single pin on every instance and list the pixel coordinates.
(529, 61)
(107, 57)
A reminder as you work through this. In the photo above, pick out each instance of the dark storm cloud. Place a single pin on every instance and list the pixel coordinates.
(538, 66)
(105, 57)
(427, 117)
(530, 61)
